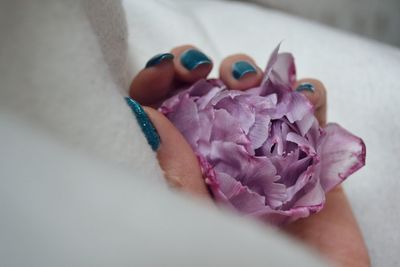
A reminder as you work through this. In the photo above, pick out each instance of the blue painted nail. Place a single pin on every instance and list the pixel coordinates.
(147, 126)
(193, 58)
(306, 87)
(241, 68)
(157, 59)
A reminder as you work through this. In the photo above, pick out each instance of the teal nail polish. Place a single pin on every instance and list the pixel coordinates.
(157, 59)
(241, 68)
(306, 87)
(193, 58)
(145, 124)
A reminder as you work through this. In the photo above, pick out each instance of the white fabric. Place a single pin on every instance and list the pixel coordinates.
(62, 68)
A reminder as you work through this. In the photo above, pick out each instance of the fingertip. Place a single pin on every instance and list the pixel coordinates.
(190, 63)
(158, 59)
(313, 89)
(316, 93)
(153, 82)
(239, 72)
(145, 123)
(176, 157)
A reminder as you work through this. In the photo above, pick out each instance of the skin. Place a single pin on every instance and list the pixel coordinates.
(333, 232)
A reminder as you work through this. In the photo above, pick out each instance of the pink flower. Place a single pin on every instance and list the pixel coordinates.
(262, 151)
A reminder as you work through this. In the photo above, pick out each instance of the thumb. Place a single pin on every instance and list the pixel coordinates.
(176, 157)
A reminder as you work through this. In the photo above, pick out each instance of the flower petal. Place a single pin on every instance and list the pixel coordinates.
(302, 142)
(186, 118)
(280, 74)
(306, 123)
(285, 68)
(201, 88)
(206, 118)
(342, 153)
(261, 177)
(305, 178)
(248, 202)
(229, 158)
(204, 101)
(299, 107)
(291, 173)
(314, 197)
(228, 185)
(281, 217)
(242, 113)
(258, 132)
(226, 128)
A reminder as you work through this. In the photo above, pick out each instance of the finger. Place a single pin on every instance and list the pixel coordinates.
(190, 63)
(240, 72)
(315, 91)
(177, 159)
(153, 82)
(333, 231)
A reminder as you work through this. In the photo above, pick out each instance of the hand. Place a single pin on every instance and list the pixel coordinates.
(334, 231)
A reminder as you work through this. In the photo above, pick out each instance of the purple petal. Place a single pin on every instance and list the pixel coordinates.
(294, 169)
(272, 59)
(304, 179)
(248, 202)
(283, 163)
(302, 142)
(299, 107)
(229, 158)
(224, 94)
(306, 123)
(342, 154)
(228, 185)
(280, 73)
(285, 68)
(281, 217)
(170, 104)
(186, 118)
(258, 132)
(212, 182)
(205, 100)
(243, 114)
(226, 128)
(261, 177)
(259, 103)
(315, 197)
(200, 88)
(206, 118)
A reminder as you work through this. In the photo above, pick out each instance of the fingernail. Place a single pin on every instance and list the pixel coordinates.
(145, 124)
(157, 59)
(306, 87)
(193, 58)
(241, 68)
